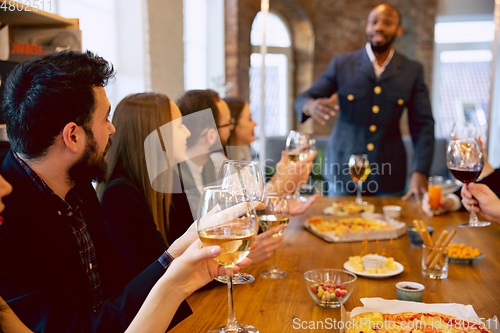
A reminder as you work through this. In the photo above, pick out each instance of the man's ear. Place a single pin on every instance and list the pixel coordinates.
(72, 136)
(400, 31)
(211, 136)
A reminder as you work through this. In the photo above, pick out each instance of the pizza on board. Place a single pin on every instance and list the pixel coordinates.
(346, 225)
(412, 322)
(351, 207)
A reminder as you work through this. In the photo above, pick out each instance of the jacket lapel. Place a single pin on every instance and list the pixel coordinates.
(365, 67)
(394, 67)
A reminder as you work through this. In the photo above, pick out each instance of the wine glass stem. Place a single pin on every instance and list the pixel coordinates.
(358, 197)
(473, 217)
(231, 319)
(274, 266)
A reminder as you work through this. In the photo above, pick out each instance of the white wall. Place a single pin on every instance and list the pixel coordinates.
(204, 60)
(166, 47)
(465, 7)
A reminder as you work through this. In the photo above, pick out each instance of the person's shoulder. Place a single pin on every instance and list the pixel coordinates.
(354, 56)
(407, 61)
(119, 187)
(218, 157)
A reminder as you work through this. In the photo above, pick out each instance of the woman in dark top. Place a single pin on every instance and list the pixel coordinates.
(138, 212)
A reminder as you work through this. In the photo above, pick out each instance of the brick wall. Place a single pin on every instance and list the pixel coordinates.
(338, 27)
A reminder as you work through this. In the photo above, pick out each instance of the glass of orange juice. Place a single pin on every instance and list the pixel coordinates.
(435, 192)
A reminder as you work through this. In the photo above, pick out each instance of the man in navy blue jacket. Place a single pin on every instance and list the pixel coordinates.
(374, 85)
(55, 260)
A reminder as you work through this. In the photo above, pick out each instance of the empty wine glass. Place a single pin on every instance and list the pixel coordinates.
(298, 147)
(277, 212)
(247, 174)
(227, 217)
(464, 158)
(359, 169)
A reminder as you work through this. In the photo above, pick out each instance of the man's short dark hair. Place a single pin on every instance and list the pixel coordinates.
(194, 101)
(44, 94)
(397, 12)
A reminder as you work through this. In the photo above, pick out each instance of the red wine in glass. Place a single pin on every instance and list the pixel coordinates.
(466, 176)
(465, 160)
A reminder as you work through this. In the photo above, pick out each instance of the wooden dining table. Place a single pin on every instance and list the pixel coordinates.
(285, 305)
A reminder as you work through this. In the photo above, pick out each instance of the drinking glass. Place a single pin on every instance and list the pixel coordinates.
(463, 130)
(227, 217)
(359, 169)
(298, 147)
(277, 212)
(464, 159)
(435, 262)
(249, 175)
(435, 190)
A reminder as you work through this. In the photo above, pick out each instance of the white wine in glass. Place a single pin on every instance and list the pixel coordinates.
(249, 175)
(298, 147)
(359, 169)
(227, 217)
(277, 212)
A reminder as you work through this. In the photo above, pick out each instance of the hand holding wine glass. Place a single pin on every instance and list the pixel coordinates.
(299, 146)
(481, 199)
(359, 169)
(464, 158)
(249, 175)
(234, 233)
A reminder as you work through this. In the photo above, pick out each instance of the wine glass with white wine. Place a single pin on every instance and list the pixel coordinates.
(277, 212)
(298, 147)
(359, 169)
(249, 175)
(227, 217)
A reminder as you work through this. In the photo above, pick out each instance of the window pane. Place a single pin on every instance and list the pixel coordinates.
(464, 93)
(276, 118)
(463, 32)
(276, 31)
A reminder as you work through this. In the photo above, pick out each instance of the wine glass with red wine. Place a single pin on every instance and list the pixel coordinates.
(465, 160)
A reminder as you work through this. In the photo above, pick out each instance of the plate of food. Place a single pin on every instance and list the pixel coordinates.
(349, 208)
(462, 254)
(373, 266)
(353, 229)
(405, 321)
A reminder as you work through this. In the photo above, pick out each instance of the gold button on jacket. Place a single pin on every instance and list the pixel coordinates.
(400, 101)
(377, 90)
(375, 109)
(373, 128)
(370, 146)
(350, 97)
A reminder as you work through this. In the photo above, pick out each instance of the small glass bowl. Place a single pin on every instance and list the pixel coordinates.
(414, 236)
(392, 212)
(329, 288)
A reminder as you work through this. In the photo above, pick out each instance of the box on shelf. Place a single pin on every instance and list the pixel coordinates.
(29, 43)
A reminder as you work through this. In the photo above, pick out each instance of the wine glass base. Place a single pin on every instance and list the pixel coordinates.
(240, 278)
(274, 274)
(238, 328)
(475, 224)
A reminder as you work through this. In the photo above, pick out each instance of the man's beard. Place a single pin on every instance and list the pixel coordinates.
(382, 47)
(91, 166)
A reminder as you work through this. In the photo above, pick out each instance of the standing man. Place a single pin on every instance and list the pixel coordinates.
(374, 85)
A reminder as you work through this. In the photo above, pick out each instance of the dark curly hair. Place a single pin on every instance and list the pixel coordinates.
(44, 94)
